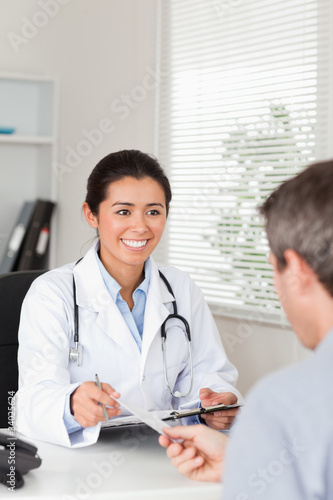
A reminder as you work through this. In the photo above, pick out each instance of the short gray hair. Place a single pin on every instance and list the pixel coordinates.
(299, 216)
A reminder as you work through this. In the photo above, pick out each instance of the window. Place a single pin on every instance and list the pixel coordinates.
(242, 107)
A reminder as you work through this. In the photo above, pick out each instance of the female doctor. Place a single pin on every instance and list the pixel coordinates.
(122, 301)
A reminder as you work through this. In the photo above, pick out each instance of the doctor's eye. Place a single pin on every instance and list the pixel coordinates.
(153, 212)
(123, 212)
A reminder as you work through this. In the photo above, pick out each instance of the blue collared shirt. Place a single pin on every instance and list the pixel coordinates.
(134, 319)
(282, 442)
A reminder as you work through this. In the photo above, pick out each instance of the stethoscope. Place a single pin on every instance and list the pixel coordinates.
(76, 352)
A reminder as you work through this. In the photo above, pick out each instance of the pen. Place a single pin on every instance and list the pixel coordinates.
(106, 416)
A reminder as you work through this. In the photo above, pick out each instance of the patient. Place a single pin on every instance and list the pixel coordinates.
(281, 445)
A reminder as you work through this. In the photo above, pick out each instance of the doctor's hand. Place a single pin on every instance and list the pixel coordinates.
(220, 420)
(201, 455)
(86, 403)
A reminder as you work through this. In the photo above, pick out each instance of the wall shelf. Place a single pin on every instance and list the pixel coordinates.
(29, 105)
(25, 139)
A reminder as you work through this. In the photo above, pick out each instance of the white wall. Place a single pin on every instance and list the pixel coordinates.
(100, 50)
(258, 348)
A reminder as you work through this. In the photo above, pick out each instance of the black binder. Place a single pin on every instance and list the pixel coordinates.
(35, 248)
(16, 239)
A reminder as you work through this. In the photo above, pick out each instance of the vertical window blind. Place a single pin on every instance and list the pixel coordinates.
(242, 107)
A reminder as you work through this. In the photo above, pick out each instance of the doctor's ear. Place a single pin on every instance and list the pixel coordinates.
(90, 217)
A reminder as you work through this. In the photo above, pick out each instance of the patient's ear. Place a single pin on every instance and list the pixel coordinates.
(90, 217)
(299, 268)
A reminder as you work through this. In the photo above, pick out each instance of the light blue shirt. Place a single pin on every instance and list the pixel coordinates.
(134, 320)
(282, 442)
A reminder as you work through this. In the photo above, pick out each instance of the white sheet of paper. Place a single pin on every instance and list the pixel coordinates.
(149, 418)
(120, 421)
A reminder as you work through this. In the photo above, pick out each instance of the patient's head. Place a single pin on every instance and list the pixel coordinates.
(299, 216)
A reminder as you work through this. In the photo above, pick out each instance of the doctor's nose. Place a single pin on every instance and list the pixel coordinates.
(139, 225)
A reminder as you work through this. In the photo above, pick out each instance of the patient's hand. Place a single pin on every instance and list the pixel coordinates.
(201, 455)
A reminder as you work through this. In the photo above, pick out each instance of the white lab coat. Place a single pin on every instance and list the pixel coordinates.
(46, 335)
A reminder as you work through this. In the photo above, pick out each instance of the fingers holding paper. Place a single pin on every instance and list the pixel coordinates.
(87, 400)
(221, 420)
(200, 456)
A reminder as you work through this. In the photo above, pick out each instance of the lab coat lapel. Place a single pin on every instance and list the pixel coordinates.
(156, 310)
(91, 293)
(112, 322)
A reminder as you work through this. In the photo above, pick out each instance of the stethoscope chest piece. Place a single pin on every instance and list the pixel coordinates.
(76, 354)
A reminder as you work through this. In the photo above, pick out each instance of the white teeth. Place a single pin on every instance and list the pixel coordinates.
(135, 244)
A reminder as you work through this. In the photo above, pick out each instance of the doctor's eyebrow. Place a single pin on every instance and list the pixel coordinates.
(127, 204)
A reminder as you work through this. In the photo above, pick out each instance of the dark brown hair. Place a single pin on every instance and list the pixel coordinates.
(116, 166)
(299, 216)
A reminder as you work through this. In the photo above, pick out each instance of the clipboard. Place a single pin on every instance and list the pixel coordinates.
(175, 415)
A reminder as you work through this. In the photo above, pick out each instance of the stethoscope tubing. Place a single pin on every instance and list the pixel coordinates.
(76, 353)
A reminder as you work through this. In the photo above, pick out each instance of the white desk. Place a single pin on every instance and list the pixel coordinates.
(123, 464)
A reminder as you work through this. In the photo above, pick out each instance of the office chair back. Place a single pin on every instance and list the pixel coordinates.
(13, 288)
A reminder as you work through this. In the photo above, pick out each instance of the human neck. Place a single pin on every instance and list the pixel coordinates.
(128, 277)
(323, 328)
(317, 319)
(129, 284)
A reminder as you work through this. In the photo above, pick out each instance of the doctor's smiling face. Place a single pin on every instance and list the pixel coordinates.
(130, 222)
